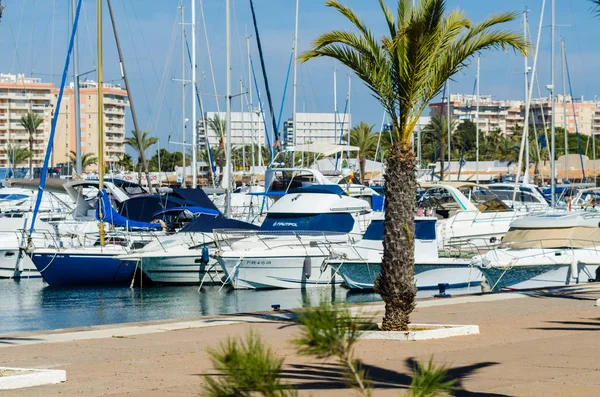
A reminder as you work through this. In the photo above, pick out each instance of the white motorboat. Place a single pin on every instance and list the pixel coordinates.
(179, 258)
(554, 249)
(473, 219)
(359, 264)
(299, 233)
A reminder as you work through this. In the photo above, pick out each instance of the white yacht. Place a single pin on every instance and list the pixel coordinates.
(300, 231)
(359, 264)
(554, 249)
(472, 219)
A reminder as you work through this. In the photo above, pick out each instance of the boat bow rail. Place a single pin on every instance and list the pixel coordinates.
(224, 238)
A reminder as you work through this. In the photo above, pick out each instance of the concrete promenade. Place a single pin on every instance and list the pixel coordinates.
(531, 344)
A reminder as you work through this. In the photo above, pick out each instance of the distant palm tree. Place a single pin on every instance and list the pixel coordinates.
(125, 162)
(362, 137)
(87, 159)
(140, 142)
(31, 122)
(405, 69)
(219, 126)
(17, 155)
(435, 134)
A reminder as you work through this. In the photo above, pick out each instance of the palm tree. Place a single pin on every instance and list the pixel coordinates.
(31, 121)
(140, 143)
(87, 159)
(17, 155)
(435, 135)
(219, 126)
(362, 137)
(405, 70)
(125, 162)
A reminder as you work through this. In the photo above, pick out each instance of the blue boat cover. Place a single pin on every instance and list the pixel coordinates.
(109, 215)
(205, 223)
(424, 230)
(197, 196)
(323, 189)
(377, 202)
(308, 222)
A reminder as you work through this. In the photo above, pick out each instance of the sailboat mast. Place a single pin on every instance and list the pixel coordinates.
(477, 127)
(294, 120)
(100, 114)
(129, 95)
(526, 127)
(552, 123)
(228, 171)
(564, 103)
(194, 102)
(449, 127)
(252, 133)
(183, 121)
(335, 112)
(242, 110)
(78, 167)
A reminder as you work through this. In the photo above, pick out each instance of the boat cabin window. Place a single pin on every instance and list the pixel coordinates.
(522, 196)
(343, 223)
(284, 180)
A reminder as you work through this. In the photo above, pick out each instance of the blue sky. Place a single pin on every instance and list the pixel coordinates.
(34, 34)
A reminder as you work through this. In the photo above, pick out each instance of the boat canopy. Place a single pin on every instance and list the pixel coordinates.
(337, 223)
(110, 215)
(143, 208)
(570, 237)
(324, 149)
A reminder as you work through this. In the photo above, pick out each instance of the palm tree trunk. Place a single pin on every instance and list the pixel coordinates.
(442, 150)
(396, 282)
(362, 163)
(30, 156)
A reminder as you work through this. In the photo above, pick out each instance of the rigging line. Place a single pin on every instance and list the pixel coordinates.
(287, 79)
(208, 149)
(137, 59)
(261, 110)
(242, 61)
(52, 36)
(210, 62)
(16, 42)
(32, 42)
(265, 78)
(575, 118)
(38, 200)
(39, 54)
(90, 45)
(163, 84)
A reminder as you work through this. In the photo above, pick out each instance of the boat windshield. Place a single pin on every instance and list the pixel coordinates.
(483, 198)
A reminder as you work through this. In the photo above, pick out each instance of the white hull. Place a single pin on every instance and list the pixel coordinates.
(269, 271)
(9, 265)
(539, 268)
(180, 269)
(457, 273)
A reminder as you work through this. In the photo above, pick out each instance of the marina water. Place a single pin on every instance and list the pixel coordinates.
(31, 305)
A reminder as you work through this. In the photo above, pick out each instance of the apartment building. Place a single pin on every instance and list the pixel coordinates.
(115, 105)
(18, 96)
(316, 128)
(494, 115)
(574, 115)
(246, 127)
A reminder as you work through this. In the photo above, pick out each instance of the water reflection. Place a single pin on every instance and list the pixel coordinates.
(29, 305)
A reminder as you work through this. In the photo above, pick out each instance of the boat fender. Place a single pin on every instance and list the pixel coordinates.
(597, 279)
(575, 269)
(307, 268)
(205, 257)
